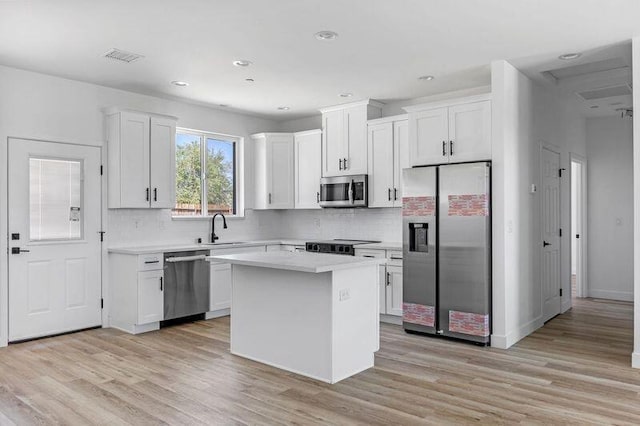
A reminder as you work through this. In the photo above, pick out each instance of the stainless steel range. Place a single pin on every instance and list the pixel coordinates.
(345, 247)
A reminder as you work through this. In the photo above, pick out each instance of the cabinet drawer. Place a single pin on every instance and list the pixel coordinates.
(370, 253)
(150, 262)
(394, 257)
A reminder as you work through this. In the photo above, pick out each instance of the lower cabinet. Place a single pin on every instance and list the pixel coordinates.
(389, 280)
(220, 290)
(393, 291)
(136, 291)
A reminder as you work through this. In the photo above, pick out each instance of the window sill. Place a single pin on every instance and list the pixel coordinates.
(207, 218)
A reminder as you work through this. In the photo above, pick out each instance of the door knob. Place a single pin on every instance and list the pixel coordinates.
(544, 244)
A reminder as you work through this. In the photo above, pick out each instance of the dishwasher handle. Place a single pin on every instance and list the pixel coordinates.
(185, 258)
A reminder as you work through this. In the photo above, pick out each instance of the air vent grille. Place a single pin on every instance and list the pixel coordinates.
(606, 92)
(122, 56)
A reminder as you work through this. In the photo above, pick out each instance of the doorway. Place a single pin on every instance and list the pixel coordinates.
(578, 226)
(54, 224)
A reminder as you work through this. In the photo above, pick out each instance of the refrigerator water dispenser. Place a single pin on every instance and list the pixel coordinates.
(419, 237)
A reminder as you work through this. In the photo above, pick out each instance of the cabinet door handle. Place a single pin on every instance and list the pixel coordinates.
(147, 194)
(389, 194)
(395, 194)
(444, 148)
(155, 194)
(450, 147)
(340, 164)
(317, 197)
(161, 284)
(345, 163)
(269, 198)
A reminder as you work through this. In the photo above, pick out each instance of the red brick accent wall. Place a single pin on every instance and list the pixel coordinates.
(468, 205)
(469, 323)
(419, 314)
(419, 206)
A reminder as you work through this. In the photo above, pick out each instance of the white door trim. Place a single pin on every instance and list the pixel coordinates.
(582, 289)
(4, 233)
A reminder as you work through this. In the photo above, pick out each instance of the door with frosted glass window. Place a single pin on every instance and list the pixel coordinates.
(54, 238)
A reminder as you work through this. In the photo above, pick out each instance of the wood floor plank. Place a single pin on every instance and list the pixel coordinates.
(574, 370)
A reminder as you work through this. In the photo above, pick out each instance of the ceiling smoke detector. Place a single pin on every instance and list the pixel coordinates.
(570, 56)
(243, 63)
(122, 56)
(326, 35)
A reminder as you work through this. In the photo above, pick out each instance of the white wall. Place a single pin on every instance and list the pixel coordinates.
(525, 117)
(610, 208)
(636, 203)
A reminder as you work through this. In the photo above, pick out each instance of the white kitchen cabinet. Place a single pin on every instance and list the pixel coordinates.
(394, 290)
(308, 169)
(344, 145)
(274, 171)
(450, 132)
(141, 160)
(150, 296)
(136, 291)
(388, 146)
(220, 278)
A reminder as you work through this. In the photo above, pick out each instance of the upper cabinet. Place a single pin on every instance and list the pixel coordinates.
(274, 174)
(452, 132)
(141, 160)
(308, 169)
(344, 146)
(388, 155)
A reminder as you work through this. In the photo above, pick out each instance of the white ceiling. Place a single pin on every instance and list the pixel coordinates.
(383, 45)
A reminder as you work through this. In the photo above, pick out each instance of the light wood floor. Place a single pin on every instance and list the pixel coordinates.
(573, 370)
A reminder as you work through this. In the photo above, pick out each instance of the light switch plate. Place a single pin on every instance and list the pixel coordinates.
(344, 294)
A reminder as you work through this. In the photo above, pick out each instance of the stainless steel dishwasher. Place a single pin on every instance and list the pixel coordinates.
(186, 284)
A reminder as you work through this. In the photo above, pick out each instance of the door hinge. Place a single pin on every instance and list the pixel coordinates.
(101, 235)
(560, 233)
(560, 172)
(101, 303)
(101, 170)
(560, 292)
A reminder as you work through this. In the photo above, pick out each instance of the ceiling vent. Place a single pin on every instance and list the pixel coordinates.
(122, 56)
(606, 92)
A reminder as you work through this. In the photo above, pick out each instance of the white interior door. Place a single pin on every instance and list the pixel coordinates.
(54, 214)
(550, 233)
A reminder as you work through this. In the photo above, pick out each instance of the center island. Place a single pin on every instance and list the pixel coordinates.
(309, 313)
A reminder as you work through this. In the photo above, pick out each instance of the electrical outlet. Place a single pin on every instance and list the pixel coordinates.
(344, 294)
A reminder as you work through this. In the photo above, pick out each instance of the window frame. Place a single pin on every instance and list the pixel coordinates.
(238, 173)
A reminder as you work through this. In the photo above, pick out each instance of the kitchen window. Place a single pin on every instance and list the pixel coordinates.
(207, 166)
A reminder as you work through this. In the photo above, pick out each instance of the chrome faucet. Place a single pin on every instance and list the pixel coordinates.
(214, 237)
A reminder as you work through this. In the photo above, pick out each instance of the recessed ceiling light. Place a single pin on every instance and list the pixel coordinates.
(180, 83)
(569, 56)
(250, 80)
(346, 95)
(326, 35)
(594, 106)
(242, 63)
(223, 105)
(426, 77)
(283, 108)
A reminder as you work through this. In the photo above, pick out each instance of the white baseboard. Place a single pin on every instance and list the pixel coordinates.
(635, 360)
(505, 342)
(391, 319)
(217, 314)
(626, 296)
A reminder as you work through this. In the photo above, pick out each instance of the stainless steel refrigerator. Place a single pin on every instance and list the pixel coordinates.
(446, 215)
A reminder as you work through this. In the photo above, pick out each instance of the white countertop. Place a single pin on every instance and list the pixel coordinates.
(164, 248)
(302, 261)
(383, 245)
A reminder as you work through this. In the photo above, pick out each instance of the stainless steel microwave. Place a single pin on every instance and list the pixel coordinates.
(344, 191)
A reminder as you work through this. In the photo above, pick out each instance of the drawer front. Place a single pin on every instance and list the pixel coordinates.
(150, 262)
(394, 257)
(370, 253)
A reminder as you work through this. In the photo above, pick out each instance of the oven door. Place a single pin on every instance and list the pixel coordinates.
(344, 191)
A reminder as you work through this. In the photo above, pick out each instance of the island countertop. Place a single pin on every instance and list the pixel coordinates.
(301, 261)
